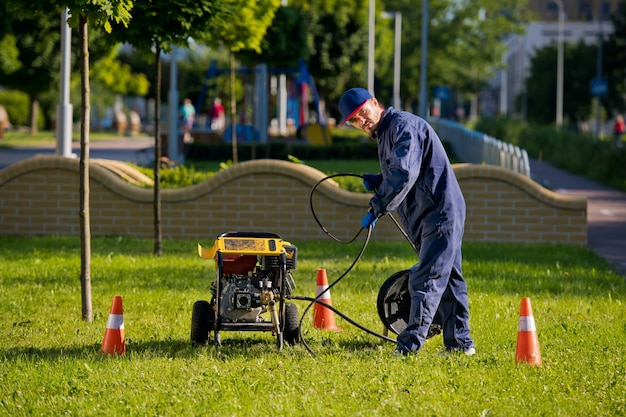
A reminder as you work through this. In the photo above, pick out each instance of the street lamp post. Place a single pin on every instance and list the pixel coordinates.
(64, 109)
(599, 78)
(397, 17)
(282, 96)
(423, 65)
(370, 46)
(173, 139)
(559, 69)
(396, 59)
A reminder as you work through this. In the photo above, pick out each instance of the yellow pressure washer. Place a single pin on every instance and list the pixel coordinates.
(253, 278)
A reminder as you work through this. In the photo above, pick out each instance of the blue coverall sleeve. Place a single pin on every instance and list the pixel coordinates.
(400, 154)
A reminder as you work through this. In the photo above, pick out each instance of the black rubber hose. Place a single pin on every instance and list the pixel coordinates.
(345, 317)
(354, 238)
(315, 215)
(317, 298)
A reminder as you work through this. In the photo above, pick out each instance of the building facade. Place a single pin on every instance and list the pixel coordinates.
(586, 20)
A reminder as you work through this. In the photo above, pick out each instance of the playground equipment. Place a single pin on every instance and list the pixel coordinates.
(302, 87)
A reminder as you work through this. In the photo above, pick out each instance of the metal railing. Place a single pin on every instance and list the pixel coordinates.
(478, 148)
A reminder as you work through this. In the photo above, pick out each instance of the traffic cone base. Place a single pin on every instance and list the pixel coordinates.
(527, 349)
(113, 342)
(323, 317)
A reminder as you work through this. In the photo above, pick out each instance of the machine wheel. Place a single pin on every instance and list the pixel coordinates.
(394, 305)
(292, 333)
(202, 320)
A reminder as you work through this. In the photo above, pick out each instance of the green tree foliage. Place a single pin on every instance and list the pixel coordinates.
(243, 24)
(98, 13)
(465, 41)
(579, 64)
(31, 43)
(16, 104)
(164, 23)
(9, 54)
(35, 66)
(285, 42)
(117, 76)
(235, 24)
(110, 78)
(580, 67)
(337, 43)
(615, 64)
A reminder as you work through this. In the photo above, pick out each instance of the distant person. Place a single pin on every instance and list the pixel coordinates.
(188, 114)
(217, 115)
(619, 129)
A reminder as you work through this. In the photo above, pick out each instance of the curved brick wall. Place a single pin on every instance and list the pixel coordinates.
(40, 196)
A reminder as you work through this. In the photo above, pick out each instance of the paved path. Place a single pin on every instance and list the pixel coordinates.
(139, 151)
(606, 210)
(606, 207)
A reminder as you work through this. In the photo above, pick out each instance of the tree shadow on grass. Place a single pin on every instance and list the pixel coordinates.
(169, 348)
(233, 347)
(165, 348)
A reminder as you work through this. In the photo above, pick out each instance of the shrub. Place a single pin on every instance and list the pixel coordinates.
(281, 150)
(16, 104)
(178, 176)
(579, 153)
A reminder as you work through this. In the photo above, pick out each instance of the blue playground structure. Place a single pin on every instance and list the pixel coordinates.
(296, 100)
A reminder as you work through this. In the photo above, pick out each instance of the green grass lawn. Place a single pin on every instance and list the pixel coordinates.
(52, 363)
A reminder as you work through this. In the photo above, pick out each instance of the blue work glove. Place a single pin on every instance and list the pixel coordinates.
(372, 181)
(369, 220)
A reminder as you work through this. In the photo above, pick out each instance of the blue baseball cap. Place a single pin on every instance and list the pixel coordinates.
(351, 102)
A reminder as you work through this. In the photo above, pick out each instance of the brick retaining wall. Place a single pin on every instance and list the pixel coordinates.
(40, 196)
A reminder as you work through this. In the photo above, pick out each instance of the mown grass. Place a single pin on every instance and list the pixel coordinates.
(52, 363)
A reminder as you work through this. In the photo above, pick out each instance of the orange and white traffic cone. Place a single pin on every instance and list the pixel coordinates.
(323, 317)
(113, 343)
(527, 342)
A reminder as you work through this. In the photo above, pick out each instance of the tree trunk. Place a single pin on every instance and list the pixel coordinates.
(233, 107)
(158, 246)
(85, 227)
(34, 115)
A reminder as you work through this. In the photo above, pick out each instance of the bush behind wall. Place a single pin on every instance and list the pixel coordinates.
(576, 152)
(281, 150)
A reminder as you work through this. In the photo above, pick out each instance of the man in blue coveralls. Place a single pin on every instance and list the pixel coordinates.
(418, 182)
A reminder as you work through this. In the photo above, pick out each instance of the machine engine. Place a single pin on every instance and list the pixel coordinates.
(245, 297)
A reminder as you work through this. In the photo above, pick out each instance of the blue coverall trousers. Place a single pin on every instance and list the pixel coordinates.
(437, 282)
